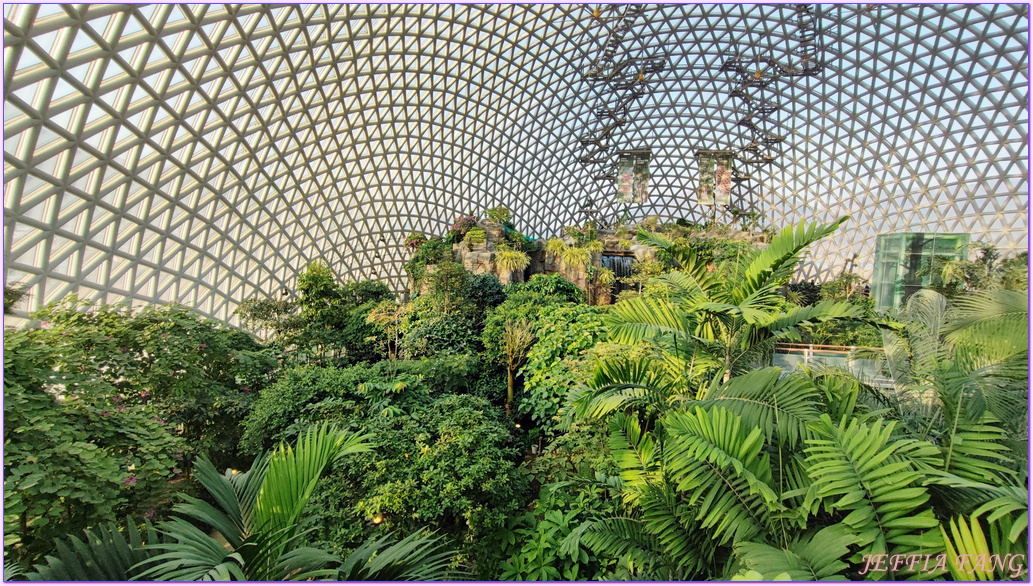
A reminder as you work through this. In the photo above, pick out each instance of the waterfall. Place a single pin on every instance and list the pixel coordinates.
(621, 267)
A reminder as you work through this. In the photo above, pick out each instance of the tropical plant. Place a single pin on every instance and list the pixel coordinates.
(431, 252)
(710, 326)
(548, 285)
(475, 236)
(499, 214)
(414, 241)
(759, 471)
(194, 372)
(509, 260)
(517, 338)
(973, 357)
(460, 227)
(260, 515)
(414, 558)
(556, 362)
(449, 464)
(574, 256)
(989, 271)
(536, 542)
(75, 454)
(446, 333)
(12, 295)
(555, 246)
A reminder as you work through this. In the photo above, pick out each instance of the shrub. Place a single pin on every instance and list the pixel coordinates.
(449, 465)
(414, 241)
(552, 368)
(431, 252)
(475, 236)
(194, 372)
(499, 214)
(449, 333)
(279, 405)
(510, 260)
(75, 453)
(547, 285)
(535, 542)
(485, 292)
(460, 227)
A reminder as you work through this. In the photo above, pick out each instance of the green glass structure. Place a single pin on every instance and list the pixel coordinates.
(905, 263)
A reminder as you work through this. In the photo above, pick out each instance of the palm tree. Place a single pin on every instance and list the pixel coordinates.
(259, 514)
(709, 325)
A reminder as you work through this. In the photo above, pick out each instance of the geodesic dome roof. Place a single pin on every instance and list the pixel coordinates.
(204, 154)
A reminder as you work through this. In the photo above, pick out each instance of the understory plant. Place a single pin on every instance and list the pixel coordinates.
(260, 516)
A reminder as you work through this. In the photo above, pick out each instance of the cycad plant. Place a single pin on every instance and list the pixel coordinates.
(786, 477)
(772, 476)
(709, 327)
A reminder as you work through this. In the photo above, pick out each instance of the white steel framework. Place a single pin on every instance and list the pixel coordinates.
(205, 153)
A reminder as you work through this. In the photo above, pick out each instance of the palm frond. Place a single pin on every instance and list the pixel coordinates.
(106, 554)
(777, 261)
(1012, 500)
(989, 318)
(624, 537)
(636, 452)
(974, 451)
(716, 460)
(646, 318)
(415, 557)
(971, 556)
(193, 555)
(13, 572)
(779, 407)
(851, 467)
(678, 532)
(293, 473)
(815, 557)
(788, 324)
(620, 382)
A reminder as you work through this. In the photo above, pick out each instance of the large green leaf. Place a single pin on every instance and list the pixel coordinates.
(715, 461)
(416, 557)
(776, 263)
(636, 453)
(106, 554)
(780, 407)
(293, 473)
(817, 556)
(854, 473)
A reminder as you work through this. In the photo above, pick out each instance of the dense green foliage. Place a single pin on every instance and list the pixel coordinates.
(196, 373)
(75, 453)
(548, 285)
(556, 364)
(517, 433)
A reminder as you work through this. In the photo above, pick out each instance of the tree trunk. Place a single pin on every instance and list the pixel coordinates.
(509, 391)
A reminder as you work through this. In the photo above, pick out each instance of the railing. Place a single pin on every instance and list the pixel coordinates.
(789, 355)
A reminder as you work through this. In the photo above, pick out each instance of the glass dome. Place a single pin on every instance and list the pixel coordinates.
(204, 154)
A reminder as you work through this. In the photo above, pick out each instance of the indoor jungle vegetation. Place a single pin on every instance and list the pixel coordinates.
(482, 431)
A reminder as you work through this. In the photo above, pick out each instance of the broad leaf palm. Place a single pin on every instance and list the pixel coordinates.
(259, 513)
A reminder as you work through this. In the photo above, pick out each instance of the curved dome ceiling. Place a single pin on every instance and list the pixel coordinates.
(204, 154)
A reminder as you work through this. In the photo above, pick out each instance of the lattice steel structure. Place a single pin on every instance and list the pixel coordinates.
(204, 154)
